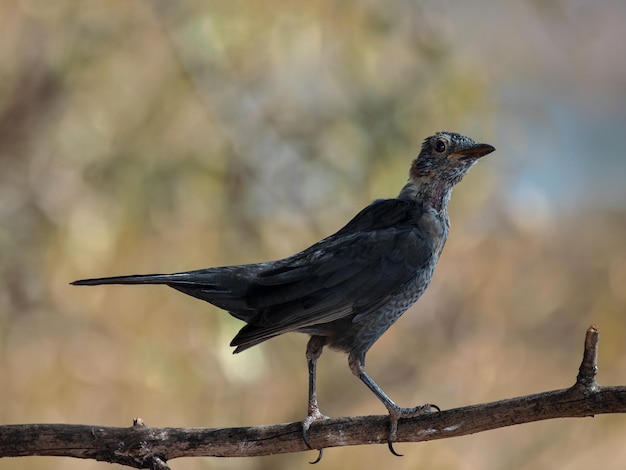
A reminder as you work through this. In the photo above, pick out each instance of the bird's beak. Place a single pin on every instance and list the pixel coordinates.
(474, 152)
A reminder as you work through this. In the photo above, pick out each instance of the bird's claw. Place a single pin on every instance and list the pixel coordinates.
(314, 415)
(395, 414)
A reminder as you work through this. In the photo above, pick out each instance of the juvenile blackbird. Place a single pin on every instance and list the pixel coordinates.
(346, 290)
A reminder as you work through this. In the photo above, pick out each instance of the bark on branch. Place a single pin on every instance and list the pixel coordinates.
(141, 446)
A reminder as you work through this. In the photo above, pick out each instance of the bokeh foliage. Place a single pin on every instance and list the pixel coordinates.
(166, 136)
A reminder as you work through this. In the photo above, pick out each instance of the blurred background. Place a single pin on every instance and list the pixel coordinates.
(141, 137)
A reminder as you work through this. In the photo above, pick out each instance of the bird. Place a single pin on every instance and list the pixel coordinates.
(346, 290)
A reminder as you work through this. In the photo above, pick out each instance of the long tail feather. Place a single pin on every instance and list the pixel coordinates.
(141, 279)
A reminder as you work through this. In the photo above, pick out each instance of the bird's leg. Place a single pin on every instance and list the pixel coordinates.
(357, 365)
(313, 352)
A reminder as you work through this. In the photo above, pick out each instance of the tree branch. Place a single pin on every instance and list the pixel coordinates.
(141, 446)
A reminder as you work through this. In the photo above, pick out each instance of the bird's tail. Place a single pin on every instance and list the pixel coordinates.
(184, 278)
(214, 285)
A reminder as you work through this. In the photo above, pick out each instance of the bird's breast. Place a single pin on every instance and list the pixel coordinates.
(434, 226)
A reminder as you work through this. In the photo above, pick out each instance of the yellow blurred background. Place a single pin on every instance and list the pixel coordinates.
(140, 137)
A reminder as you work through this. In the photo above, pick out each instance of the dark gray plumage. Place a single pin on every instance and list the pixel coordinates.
(349, 288)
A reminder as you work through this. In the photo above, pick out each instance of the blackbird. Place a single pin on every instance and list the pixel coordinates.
(346, 290)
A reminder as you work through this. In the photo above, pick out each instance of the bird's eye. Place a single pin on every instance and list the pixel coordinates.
(440, 146)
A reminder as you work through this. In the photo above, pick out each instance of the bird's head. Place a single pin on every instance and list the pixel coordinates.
(445, 158)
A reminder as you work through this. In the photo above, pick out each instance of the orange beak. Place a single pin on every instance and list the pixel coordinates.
(475, 151)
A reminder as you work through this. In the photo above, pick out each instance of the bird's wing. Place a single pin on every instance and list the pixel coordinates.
(353, 272)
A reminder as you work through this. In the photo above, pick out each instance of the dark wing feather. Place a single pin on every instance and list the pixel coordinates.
(355, 271)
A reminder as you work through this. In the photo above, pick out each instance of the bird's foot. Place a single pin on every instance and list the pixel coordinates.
(397, 413)
(314, 415)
